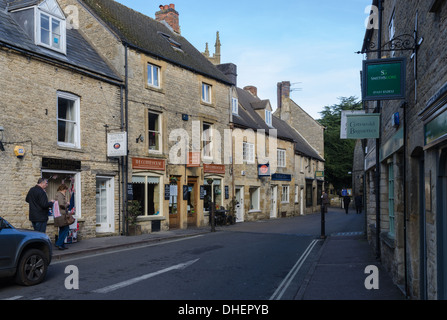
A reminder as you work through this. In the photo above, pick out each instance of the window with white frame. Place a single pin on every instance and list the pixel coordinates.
(254, 198)
(281, 158)
(51, 32)
(235, 105)
(207, 140)
(206, 93)
(154, 132)
(68, 120)
(248, 152)
(285, 194)
(153, 75)
(268, 117)
(296, 194)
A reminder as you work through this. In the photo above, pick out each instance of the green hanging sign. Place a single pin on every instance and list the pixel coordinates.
(384, 79)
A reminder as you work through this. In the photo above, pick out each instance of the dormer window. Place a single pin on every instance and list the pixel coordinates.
(50, 26)
(268, 117)
(43, 22)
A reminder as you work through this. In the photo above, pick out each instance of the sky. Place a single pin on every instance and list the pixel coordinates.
(310, 43)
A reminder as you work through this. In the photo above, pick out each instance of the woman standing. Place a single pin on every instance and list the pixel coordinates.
(61, 223)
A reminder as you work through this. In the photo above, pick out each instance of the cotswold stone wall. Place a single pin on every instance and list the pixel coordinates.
(28, 101)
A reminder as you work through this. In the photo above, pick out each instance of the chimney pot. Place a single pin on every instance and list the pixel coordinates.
(169, 15)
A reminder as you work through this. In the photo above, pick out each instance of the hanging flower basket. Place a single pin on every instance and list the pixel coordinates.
(210, 181)
(173, 180)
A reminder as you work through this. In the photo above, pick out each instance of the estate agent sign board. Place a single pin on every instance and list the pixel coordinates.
(383, 79)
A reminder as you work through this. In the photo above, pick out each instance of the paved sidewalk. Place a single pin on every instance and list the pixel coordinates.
(339, 272)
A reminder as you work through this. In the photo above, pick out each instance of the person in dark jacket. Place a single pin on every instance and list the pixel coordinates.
(346, 201)
(38, 205)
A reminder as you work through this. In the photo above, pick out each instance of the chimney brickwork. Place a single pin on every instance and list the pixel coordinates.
(168, 14)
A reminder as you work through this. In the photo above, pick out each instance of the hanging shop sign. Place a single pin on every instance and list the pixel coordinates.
(117, 144)
(383, 79)
(366, 126)
(264, 170)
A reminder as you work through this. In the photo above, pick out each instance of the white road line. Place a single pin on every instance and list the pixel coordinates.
(14, 298)
(288, 279)
(145, 277)
(125, 249)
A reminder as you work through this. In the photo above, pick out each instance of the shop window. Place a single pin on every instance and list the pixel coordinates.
(146, 190)
(72, 181)
(213, 193)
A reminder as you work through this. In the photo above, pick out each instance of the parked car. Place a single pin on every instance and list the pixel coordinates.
(24, 254)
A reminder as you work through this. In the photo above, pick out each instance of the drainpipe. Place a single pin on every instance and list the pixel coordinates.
(378, 141)
(126, 126)
(404, 106)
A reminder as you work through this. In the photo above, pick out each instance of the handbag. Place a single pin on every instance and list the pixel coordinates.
(69, 219)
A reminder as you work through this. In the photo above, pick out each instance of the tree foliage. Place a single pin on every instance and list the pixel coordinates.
(339, 153)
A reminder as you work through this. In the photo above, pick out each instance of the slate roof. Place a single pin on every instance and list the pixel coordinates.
(80, 53)
(145, 34)
(248, 118)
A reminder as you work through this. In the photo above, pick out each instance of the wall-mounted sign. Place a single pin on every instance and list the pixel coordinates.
(281, 177)
(148, 164)
(214, 168)
(366, 126)
(117, 144)
(384, 79)
(436, 128)
(61, 164)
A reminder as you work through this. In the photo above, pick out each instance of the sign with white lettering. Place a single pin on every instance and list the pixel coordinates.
(384, 79)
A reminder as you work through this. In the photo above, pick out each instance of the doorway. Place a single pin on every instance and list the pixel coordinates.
(240, 212)
(104, 205)
(192, 202)
(174, 203)
(273, 199)
(442, 226)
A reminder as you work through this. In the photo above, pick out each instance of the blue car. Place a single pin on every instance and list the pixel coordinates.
(24, 254)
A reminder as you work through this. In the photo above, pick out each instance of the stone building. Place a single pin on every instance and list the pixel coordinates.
(176, 108)
(274, 167)
(57, 99)
(406, 180)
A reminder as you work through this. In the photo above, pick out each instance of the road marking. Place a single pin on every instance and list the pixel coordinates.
(145, 277)
(125, 249)
(291, 275)
(14, 298)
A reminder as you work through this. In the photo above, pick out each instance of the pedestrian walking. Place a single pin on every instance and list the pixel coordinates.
(325, 201)
(61, 221)
(346, 202)
(38, 205)
(358, 203)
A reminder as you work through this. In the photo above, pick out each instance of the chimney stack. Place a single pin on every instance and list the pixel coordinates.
(252, 89)
(169, 15)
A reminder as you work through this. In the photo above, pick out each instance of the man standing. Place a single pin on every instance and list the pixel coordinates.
(39, 205)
